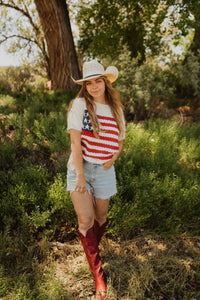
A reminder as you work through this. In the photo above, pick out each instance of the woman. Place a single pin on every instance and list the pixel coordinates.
(96, 127)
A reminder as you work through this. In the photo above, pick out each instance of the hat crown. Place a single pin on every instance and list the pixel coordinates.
(92, 68)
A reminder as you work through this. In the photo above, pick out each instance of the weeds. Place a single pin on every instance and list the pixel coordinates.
(27, 272)
(146, 267)
(158, 191)
(158, 182)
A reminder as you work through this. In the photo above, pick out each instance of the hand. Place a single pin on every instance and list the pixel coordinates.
(108, 164)
(80, 184)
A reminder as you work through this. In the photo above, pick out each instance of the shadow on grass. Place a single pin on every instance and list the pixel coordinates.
(28, 273)
(153, 269)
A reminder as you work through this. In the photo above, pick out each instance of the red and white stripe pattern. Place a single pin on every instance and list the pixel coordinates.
(106, 145)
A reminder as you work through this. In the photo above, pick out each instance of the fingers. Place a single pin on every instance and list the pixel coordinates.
(80, 189)
(107, 165)
(80, 185)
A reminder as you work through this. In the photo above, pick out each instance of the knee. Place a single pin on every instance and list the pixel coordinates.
(85, 223)
(101, 219)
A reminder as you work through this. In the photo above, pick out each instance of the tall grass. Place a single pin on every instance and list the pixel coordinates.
(157, 175)
(157, 172)
(158, 179)
(34, 149)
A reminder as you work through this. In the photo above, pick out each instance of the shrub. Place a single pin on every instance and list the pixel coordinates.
(157, 183)
(52, 130)
(7, 155)
(61, 204)
(157, 177)
(35, 148)
(187, 75)
(15, 78)
(149, 86)
(142, 87)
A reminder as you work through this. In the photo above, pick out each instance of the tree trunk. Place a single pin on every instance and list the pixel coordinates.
(58, 34)
(195, 45)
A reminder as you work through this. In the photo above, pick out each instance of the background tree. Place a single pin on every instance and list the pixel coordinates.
(186, 17)
(53, 39)
(105, 26)
(21, 30)
(58, 34)
(146, 27)
(195, 10)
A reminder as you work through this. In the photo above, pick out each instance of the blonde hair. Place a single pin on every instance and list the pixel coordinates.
(112, 99)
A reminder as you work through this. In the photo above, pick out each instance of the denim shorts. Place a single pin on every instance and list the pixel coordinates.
(101, 181)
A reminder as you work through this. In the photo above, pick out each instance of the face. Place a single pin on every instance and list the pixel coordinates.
(96, 88)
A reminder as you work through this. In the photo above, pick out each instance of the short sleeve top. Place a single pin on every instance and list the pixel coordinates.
(99, 149)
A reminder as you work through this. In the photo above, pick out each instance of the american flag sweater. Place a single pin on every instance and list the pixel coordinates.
(99, 149)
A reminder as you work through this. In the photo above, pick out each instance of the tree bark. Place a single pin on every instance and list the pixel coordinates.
(61, 49)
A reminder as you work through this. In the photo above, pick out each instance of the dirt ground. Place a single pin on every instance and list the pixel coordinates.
(155, 258)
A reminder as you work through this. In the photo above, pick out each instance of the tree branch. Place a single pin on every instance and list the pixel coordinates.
(39, 41)
(38, 38)
(17, 36)
(23, 12)
(42, 49)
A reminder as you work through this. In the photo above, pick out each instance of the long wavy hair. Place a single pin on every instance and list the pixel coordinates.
(112, 99)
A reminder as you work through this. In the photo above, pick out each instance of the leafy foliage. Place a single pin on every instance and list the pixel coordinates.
(34, 146)
(24, 31)
(150, 86)
(112, 24)
(141, 27)
(34, 201)
(157, 182)
(185, 16)
(158, 189)
(15, 78)
(158, 179)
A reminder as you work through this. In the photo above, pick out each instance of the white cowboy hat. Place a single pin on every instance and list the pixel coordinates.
(93, 69)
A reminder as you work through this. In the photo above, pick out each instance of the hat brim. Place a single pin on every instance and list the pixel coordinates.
(111, 76)
(80, 81)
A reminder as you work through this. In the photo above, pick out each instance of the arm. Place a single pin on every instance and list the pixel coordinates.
(75, 136)
(109, 163)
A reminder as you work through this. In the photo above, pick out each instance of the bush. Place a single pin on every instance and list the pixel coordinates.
(187, 79)
(149, 86)
(157, 183)
(15, 78)
(142, 87)
(34, 202)
(35, 147)
(158, 174)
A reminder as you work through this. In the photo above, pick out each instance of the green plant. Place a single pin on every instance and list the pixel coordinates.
(28, 271)
(157, 176)
(152, 86)
(15, 78)
(142, 87)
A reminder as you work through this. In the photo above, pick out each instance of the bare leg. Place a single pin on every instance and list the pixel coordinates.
(84, 207)
(101, 210)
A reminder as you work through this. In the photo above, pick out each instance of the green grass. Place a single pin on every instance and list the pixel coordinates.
(158, 190)
(28, 272)
(158, 181)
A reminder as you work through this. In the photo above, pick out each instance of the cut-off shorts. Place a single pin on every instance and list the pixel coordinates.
(101, 181)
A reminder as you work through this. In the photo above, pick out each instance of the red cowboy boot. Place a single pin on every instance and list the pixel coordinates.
(99, 230)
(91, 249)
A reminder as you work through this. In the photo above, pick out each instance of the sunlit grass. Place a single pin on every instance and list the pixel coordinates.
(158, 192)
(158, 179)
